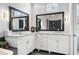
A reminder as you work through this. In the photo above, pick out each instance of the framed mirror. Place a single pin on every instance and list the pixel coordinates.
(19, 20)
(50, 22)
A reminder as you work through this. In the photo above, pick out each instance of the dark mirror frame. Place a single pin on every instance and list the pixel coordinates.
(37, 29)
(11, 19)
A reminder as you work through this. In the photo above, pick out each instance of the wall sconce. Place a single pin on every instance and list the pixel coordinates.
(6, 15)
(66, 19)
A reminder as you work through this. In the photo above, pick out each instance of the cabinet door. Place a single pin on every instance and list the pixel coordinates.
(52, 44)
(63, 44)
(29, 43)
(22, 46)
(31, 46)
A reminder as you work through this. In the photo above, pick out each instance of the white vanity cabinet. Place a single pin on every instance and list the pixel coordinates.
(59, 44)
(25, 44)
(54, 43)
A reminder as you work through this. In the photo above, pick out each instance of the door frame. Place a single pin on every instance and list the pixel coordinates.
(74, 29)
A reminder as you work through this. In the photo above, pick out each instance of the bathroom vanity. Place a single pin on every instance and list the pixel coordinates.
(59, 43)
(23, 42)
(26, 43)
(49, 36)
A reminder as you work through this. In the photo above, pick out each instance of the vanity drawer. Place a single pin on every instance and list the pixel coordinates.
(45, 36)
(43, 43)
(42, 40)
(43, 47)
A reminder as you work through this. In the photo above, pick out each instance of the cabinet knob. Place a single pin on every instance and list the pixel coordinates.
(41, 45)
(57, 41)
(41, 42)
(27, 42)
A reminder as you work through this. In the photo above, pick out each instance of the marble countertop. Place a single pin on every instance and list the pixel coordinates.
(51, 33)
(19, 34)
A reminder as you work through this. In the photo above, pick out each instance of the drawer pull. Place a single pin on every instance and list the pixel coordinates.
(41, 45)
(27, 42)
(41, 42)
(57, 41)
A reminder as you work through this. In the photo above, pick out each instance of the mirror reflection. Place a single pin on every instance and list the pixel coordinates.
(19, 20)
(50, 22)
(17, 13)
(19, 24)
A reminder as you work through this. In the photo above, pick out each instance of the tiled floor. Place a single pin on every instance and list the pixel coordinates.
(41, 52)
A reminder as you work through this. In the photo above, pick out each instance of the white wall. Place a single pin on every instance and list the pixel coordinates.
(32, 9)
(37, 8)
(26, 7)
(3, 20)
